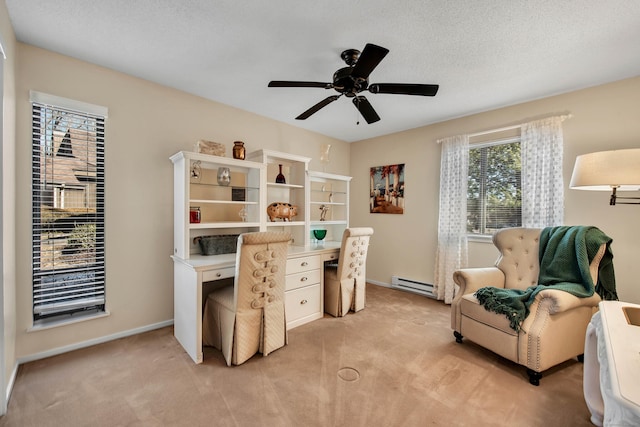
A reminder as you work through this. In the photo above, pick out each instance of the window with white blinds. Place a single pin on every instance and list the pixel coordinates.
(494, 192)
(68, 229)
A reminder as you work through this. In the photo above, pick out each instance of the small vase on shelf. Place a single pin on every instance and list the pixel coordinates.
(224, 176)
(194, 215)
(238, 150)
(280, 178)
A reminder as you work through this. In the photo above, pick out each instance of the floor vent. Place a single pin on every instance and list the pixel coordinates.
(421, 288)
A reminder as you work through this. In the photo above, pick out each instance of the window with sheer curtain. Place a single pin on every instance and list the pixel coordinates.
(68, 227)
(502, 181)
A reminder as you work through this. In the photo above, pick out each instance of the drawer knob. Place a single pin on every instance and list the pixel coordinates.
(304, 301)
(304, 264)
(218, 274)
(303, 279)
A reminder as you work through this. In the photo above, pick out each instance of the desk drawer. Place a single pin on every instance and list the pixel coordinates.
(296, 265)
(332, 256)
(217, 274)
(302, 302)
(299, 280)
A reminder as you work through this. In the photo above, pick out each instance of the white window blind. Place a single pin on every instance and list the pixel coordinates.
(68, 228)
(494, 196)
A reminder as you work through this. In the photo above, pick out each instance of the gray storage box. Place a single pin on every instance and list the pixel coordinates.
(216, 245)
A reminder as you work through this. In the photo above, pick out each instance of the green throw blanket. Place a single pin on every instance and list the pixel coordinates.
(565, 255)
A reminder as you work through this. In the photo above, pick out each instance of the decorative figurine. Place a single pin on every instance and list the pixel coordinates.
(323, 212)
(196, 171)
(282, 210)
(243, 214)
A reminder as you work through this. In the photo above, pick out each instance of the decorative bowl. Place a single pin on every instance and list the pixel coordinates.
(319, 234)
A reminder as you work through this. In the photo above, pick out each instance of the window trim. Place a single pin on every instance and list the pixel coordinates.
(68, 104)
(44, 319)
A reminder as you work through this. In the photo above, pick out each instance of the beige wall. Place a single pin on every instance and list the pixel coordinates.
(147, 123)
(8, 199)
(603, 118)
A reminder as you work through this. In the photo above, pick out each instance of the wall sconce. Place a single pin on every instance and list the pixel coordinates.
(616, 170)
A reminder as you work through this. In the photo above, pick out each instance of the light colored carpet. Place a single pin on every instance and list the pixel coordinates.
(395, 363)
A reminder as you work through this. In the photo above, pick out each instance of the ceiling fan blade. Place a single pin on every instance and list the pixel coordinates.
(328, 100)
(369, 59)
(404, 89)
(366, 109)
(284, 83)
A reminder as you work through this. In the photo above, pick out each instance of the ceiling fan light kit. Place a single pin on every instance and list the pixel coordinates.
(353, 79)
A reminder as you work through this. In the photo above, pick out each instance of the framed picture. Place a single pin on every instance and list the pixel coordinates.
(238, 194)
(386, 193)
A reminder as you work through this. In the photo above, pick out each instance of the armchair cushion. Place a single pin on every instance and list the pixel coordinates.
(472, 308)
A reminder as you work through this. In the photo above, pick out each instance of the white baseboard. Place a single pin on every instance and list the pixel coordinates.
(89, 343)
(375, 282)
(11, 382)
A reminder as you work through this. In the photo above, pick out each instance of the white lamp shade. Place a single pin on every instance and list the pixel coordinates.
(603, 170)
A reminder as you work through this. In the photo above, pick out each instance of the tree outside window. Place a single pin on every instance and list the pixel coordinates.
(494, 199)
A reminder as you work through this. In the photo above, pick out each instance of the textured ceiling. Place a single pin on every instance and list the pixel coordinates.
(483, 54)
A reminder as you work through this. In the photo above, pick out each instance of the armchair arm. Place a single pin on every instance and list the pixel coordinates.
(563, 301)
(472, 279)
(555, 328)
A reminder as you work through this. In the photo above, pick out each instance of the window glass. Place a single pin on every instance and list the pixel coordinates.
(494, 187)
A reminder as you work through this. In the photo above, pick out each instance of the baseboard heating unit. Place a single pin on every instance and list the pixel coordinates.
(415, 286)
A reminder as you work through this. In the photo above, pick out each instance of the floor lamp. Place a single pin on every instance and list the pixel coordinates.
(615, 170)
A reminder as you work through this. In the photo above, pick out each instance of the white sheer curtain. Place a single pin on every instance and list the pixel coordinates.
(542, 185)
(452, 219)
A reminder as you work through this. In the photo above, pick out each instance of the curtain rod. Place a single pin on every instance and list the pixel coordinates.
(487, 132)
(505, 128)
(563, 117)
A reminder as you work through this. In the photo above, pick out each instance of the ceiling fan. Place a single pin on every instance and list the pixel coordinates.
(353, 79)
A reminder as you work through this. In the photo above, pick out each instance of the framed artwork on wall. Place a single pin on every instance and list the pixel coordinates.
(386, 192)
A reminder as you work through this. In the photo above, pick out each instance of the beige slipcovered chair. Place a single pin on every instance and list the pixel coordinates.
(345, 282)
(249, 317)
(553, 332)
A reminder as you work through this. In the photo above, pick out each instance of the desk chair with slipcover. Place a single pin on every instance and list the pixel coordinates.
(249, 316)
(345, 282)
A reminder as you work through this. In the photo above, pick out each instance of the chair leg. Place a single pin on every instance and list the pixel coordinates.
(581, 358)
(458, 336)
(534, 377)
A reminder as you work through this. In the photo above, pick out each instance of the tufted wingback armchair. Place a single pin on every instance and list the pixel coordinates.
(344, 284)
(553, 332)
(249, 317)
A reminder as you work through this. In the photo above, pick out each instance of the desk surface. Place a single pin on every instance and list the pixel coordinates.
(201, 262)
(623, 353)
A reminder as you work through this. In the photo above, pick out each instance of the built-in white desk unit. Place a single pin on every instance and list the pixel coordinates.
(216, 195)
(192, 277)
(612, 365)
